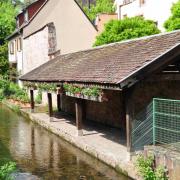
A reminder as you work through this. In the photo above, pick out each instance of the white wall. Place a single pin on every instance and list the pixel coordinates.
(156, 10)
(73, 30)
(17, 56)
(35, 50)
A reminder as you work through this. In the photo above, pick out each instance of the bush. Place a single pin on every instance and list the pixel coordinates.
(11, 90)
(6, 170)
(101, 6)
(147, 169)
(38, 98)
(128, 28)
(173, 23)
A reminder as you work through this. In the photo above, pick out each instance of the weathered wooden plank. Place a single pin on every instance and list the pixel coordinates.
(79, 116)
(32, 99)
(59, 102)
(129, 108)
(49, 95)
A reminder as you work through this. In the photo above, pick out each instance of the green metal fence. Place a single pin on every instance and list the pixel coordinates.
(158, 123)
(166, 122)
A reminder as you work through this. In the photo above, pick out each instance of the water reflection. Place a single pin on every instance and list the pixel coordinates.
(39, 152)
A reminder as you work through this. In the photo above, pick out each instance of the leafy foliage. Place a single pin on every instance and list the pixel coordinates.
(6, 170)
(47, 87)
(4, 64)
(7, 19)
(38, 98)
(101, 6)
(128, 28)
(173, 23)
(147, 170)
(11, 90)
(93, 91)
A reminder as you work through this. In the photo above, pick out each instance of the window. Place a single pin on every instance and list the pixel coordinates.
(19, 44)
(26, 16)
(11, 46)
(127, 1)
(141, 2)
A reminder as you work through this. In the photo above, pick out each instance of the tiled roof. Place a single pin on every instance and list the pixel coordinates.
(109, 64)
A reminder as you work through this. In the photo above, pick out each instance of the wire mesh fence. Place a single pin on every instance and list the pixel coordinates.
(166, 122)
(158, 123)
(142, 128)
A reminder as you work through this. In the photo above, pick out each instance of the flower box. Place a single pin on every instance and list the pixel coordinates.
(81, 96)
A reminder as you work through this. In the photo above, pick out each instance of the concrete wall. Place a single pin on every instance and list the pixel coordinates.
(74, 31)
(158, 11)
(35, 50)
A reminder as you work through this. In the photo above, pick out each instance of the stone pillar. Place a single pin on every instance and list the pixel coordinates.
(32, 99)
(79, 116)
(49, 95)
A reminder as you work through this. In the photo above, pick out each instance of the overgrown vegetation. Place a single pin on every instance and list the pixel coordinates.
(92, 91)
(8, 12)
(38, 98)
(11, 90)
(101, 6)
(6, 170)
(73, 89)
(147, 169)
(128, 28)
(173, 23)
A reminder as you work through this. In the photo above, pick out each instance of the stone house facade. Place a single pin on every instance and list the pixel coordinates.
(48, 28)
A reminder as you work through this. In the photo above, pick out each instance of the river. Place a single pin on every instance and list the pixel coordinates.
(45, 155)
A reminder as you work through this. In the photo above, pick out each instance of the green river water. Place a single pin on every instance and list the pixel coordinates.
(43, 154)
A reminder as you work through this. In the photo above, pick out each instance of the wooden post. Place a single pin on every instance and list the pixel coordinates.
(129, 118)
(49, 95)
(59, 102)
(32, 99)
(79, 116)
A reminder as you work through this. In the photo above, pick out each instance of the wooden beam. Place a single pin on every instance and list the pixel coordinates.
(123, 110)
(59, 102)
(164, 77)
(32, 99)
(129, 117)
(49, 95)
(79, 116)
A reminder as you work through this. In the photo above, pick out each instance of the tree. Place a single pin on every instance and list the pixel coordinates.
(173, 23)
(7, 26)
(7, 20)
(101, 6)
(4, 64)
(128, 28)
